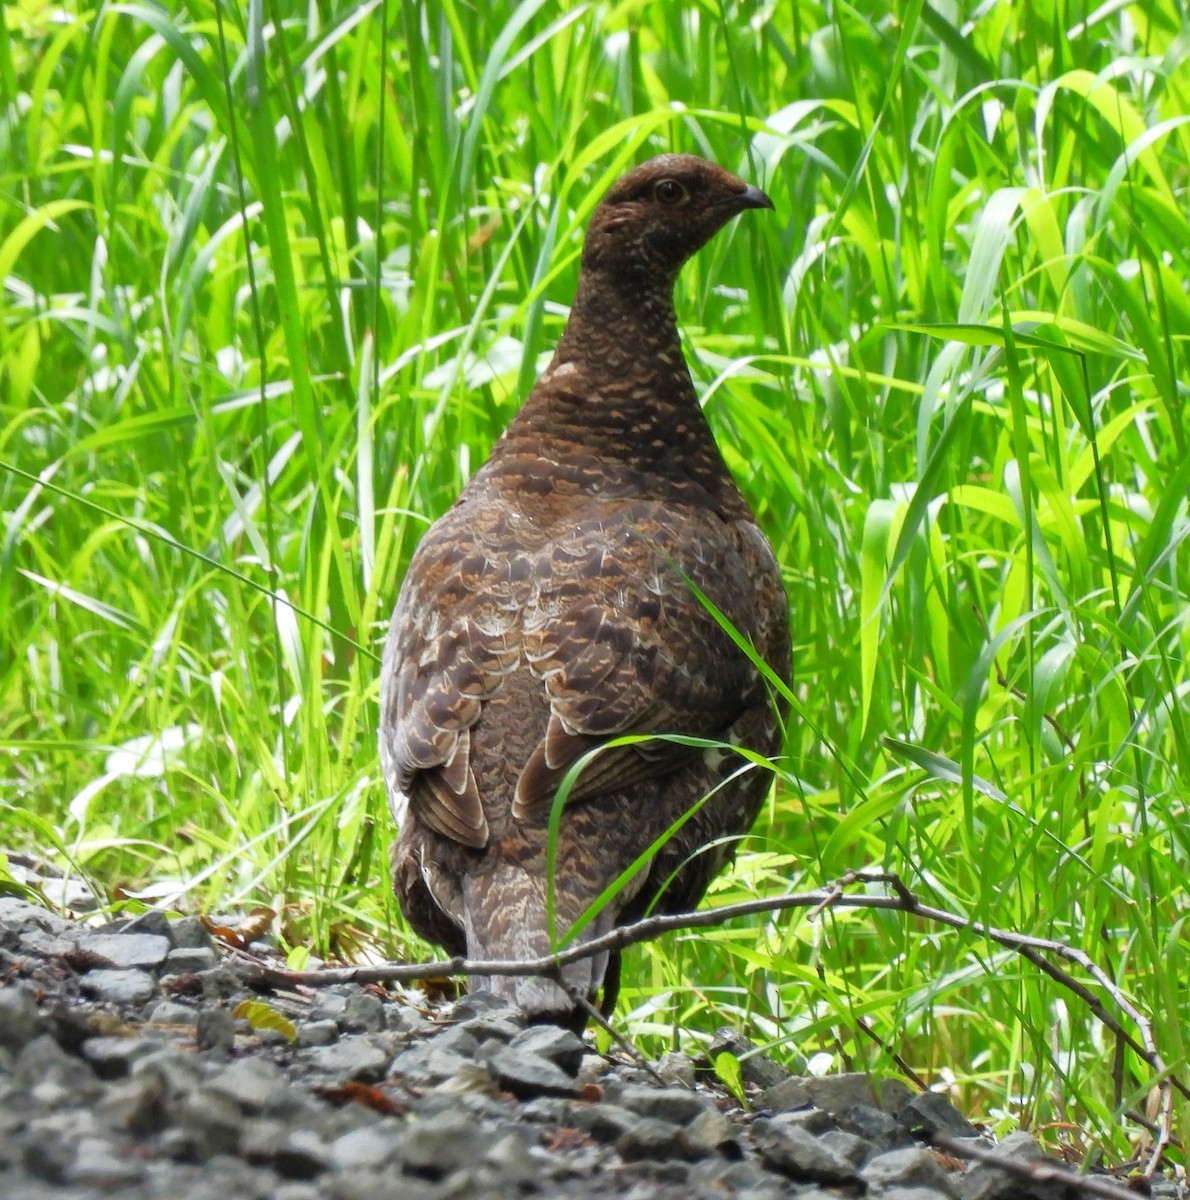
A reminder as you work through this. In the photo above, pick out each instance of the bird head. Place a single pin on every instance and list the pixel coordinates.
(655, 217)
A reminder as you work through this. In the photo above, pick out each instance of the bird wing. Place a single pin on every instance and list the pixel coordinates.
(452, 640)
(623, 645)
(603, 614)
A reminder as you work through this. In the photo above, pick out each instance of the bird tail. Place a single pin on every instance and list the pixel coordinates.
(507, 919)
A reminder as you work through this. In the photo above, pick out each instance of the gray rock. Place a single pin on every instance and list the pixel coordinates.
(911, 1167)
(152, 921)
(364, 1013)
(135, 1105)
(317, 1033)
(189, 933)
(930, 1113)
(219, 983)
(801, 1156)
(17, 914)
(329, 1004)
(984, 1182)
(215, 1029)
(514, 1165)
(491, 1028)
(170, 1012)
(559, 1046)
(96, 1165)
(846, 1145)
(666, 1104)
(214, 1121)
(401, 1019)
(37, 943)
(755, 1066)
(20, 1020)
(112, 1057)
(426, 1065)
(474, 1004)
(604, 1122)
(525, 1074)
(712, 1133)
(439, 1144)
(457, 1039)
(123, 950)
(374, 1145)
(54, 1078)
(875, 1126)
(811, 1120)
(179, 1073)
(301, 1154)
(358, 1056)
(650, 1139)
(190, 960)
(838, 1093)
(677, 1069)
(785, 1096)
(131, 987)
(247, 1083)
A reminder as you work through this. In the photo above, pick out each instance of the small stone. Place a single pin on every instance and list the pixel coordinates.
(356, 1057)
(985, 1182)
(301, 1154)
(785, 1096)
(493, 1028)
(317, 1033)
(370, 1146)
(875, 1126)
(112, 1057)
(511, 1158)
(712, 1133)
(329, 1004)
(526, 1074)
(400, 1018)
(559, 1046)
(189, 933)
(437, 1145)
(801, 1156)
(838, 1093)
(930, 1113)
(130, 986)
(675, 1105)
(97, 1166)
(247, 1083)
(134, 1105)
(214, 1120)
(215, 1029)
(910, 1167)
(426, 1065)
(474, 1004)
(191, 960)
(846, 1145)
(37, 943)
(20, 1020)
(123, 950)
(219, 983)
(457, 1039)
(151, 921)
(755, 1066)
(604, 1122)
(811, 1120)
(677, 1069)
(364, 1013)
(652, 1139)
(170, 1012)
(179, 1073)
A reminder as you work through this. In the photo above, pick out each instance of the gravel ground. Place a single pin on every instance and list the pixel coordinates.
(124, 1072)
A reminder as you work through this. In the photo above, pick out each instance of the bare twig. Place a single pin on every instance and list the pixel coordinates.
(1034, 949)
(1036, 1170)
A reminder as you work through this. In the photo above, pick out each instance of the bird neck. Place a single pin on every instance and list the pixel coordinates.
(622, 324)
(616, 411)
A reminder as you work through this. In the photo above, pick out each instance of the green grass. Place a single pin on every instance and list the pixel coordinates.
(273, 282)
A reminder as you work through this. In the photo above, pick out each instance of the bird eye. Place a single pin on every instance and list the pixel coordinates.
(669, 191)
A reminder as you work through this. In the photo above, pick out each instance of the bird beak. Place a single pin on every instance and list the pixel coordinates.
(752, 197)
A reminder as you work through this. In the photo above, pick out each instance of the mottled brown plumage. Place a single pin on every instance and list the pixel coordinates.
(550, 610)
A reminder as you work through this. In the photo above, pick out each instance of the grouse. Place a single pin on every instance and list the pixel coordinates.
(559, 604)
